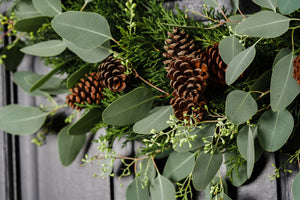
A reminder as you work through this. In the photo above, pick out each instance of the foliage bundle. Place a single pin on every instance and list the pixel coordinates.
(189, 92)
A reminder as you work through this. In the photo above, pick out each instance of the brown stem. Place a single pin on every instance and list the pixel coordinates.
(115, 41)
(4, 34)
(138, 76)
(223, 13)
(241, 13)
(152, 157)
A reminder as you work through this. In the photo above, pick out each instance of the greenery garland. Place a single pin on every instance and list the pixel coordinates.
(256, 110)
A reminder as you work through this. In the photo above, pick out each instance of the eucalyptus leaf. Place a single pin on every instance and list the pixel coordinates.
(21, 120)
(240, 106)
(13, 55)
(129, 108)
(19, 79)
(250, 152)
(69, 146)
(287, 7)
(262, 83)
(206, 131)
(266, 24)
(206, 167)
(282, 53)
(239, 64)
(157, 120)
(238, 172)
(284, 87)
(162, 188)
(135, 191)
(86, 122)
(243, 142)
(235, 4)
(45, 49)
(74, 78)
(26, 10)
(271, 4)
(234, 20)
(90, 55)
(31, 24)
(229, 47)
(179, 165)
(274, 129)
(295, 187)
(49, 8)
(53, 86)
(147, 171)
(86, 30)
(211, 3)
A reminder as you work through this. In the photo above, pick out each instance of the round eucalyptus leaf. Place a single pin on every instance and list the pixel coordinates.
(69, 146)
(274, 129)
(206, 167)
(86, 30)
(45, 49)
(129, 108)
(229, 47)
(240, 106)
(284, 87)
(94, 55)
(157, 120)
(162, 188)
(234, 20)
(238, 172)
(296, 186)
(49, 8)
(266, 24)
(239, 64)
(179, 165)
(31, 24)
(287, 7)
(26, 10)
(21, 120)
(271, 4)
(135, 191)
(147, 170)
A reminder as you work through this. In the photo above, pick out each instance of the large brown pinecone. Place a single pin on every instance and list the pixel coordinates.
(216, 65)
(112, 74)
(186, 108)
(296, 71)
(188, 76)
(180, 44)
(88, 90)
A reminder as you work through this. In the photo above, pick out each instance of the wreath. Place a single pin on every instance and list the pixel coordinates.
(191, 93)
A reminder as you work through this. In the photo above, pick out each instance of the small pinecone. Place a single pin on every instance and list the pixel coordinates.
(112, 74)
(188, 76)
(179, 44)
(88, 90)
(296, 71)
(185, 108)
(216, 65)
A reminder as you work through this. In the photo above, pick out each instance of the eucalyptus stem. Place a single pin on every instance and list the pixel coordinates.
(152, 157)
(292, 38)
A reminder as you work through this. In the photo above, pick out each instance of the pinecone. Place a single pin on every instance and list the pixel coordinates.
(188, 77)
(296, 71)
(88, 90)
(216, 65)
(179, 44)
(186, 108)
(112, 74)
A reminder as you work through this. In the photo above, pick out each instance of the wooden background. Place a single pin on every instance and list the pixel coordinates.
(29, 172)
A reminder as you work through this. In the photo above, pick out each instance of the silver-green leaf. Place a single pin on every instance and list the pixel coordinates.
(86, 30)
(284, 87)
(271, 4)
(239, 64)
(287, 7)
(129, 108)
(45, 49)
(162, 189)
(229, 48)
(69, 146)
(240, 106)
(21, 120)
(135, 191)
(266, 24)
(49, 8)
(179, 165)
(157, 120)
(274, 129)
(295, 187)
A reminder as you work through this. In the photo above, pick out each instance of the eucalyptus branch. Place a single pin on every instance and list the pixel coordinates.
(147, 82)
